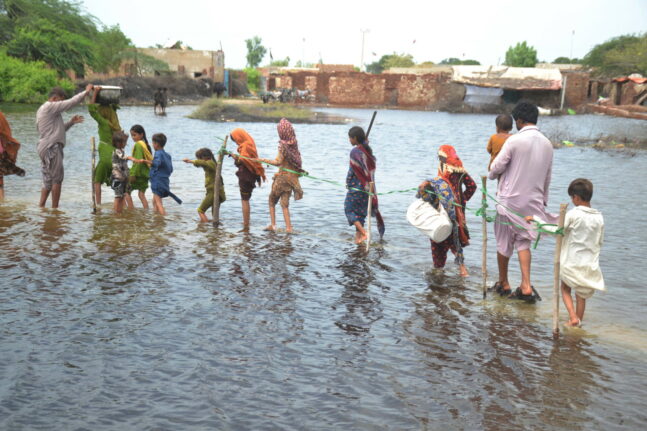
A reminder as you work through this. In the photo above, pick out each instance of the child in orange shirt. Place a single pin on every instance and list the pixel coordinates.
(503, 126)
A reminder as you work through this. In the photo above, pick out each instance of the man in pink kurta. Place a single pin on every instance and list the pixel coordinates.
(523, 168)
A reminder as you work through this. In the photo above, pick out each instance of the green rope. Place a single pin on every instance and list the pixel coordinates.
(481, 212)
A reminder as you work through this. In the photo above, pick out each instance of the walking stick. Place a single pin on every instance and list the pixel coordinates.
(484, 231)
(215, 209)
(556, 263)
(94, 197)
(368, 215)
(370, 191)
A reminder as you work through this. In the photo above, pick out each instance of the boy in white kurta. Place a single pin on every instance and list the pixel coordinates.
(579, 260)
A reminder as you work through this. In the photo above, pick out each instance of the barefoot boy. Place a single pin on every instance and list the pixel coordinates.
(160, 173)
(579, 261)
(494, 145)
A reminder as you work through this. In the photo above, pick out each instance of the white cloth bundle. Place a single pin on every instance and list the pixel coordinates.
(433, 223)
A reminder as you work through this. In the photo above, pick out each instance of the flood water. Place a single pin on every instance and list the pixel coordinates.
(144, 322)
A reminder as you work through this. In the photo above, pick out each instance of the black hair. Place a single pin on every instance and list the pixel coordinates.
(204, 152)
(160, 138)
(582, 188)
(57, 91)
(526, 112)
(503, 122)
(137, 128)
(119, 137)
(358, 133)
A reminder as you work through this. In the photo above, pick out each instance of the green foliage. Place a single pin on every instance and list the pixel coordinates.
(180, 45)
(521, 55)
(425, 64)
(390, 60)
(27, 82)
(621, 55)
(566, 60)
(281, 63)
(255, 51)
(301, 64)
(458, 61)
(110, 46)
(253, 78)
(59, 33)
(42, 40)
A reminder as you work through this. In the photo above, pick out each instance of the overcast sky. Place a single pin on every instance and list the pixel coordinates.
(332, 29)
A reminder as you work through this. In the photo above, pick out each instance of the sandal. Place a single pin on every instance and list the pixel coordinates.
(530, 299)
(498, 288)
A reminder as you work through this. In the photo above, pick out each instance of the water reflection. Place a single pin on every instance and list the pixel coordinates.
(362, 308)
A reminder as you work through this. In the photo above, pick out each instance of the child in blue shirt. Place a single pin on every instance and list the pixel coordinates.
(161, 169)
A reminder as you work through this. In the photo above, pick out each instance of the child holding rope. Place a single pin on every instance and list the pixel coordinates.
(160, 173)
(285, 182)
(579, 259)
(206, 160)
(119, 174)
(249, 172)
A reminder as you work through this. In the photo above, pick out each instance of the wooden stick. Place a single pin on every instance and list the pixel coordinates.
(94, 198)
(215, 209)
(484, 230)
(368, 215)
(370, 126)
(556, 263)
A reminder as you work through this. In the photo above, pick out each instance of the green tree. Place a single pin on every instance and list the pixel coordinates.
(281, 63)
(390, 60)
(458, 61)
(111, 45)
(521, 55)
(621, 55)
(255, 51)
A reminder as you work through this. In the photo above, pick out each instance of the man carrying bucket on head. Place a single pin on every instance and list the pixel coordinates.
(524, 170)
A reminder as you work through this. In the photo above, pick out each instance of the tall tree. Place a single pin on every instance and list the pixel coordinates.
(390, 60)
(255, 51)
(621, 55)
(521, 55)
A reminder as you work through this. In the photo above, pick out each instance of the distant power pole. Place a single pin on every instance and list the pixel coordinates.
(572, 36)
(361, 62)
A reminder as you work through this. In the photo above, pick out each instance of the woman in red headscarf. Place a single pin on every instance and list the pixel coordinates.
(447, 189)
(286, 180)
(9, 147)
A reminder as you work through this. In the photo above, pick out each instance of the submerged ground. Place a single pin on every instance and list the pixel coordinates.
(139, 322)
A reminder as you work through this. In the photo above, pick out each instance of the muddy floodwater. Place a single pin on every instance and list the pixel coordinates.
(144, 322)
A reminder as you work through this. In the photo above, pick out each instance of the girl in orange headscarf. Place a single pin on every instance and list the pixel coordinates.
(9, 147)
(249, 172)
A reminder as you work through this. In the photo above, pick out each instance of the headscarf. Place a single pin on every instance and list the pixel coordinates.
(247, 148)
(288, 145)
(7, 142)
(363, 165)
(450, 164)
(109, 112)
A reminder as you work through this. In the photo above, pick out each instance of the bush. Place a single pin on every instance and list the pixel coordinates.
(253, 79)
(27, 82)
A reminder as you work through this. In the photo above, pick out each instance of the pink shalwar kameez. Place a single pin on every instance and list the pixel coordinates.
(524, 169)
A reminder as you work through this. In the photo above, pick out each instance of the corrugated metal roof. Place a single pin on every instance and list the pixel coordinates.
(511, 78)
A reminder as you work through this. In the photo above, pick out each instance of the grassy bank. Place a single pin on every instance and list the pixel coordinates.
(226, 110)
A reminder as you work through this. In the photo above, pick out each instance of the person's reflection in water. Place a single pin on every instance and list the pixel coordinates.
(568, 381)
(362, 308)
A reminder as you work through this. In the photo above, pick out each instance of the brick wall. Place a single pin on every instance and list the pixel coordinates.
(577, 89)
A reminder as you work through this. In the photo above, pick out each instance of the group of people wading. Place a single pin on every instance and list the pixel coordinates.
(522, 164)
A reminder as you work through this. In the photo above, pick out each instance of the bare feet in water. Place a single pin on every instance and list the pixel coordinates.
(270, 228)
(359, 238)
(464, 272)
(577, 323)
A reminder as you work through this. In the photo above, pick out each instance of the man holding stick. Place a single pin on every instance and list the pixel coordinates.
(524, 170)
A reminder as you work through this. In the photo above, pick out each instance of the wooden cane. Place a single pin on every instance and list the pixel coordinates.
(484, 232)
(215, 209)
(370, 126)
(556, 264)
(94, 197)
(368, 215)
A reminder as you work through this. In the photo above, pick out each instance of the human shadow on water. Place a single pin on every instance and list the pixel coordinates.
(362, 308)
